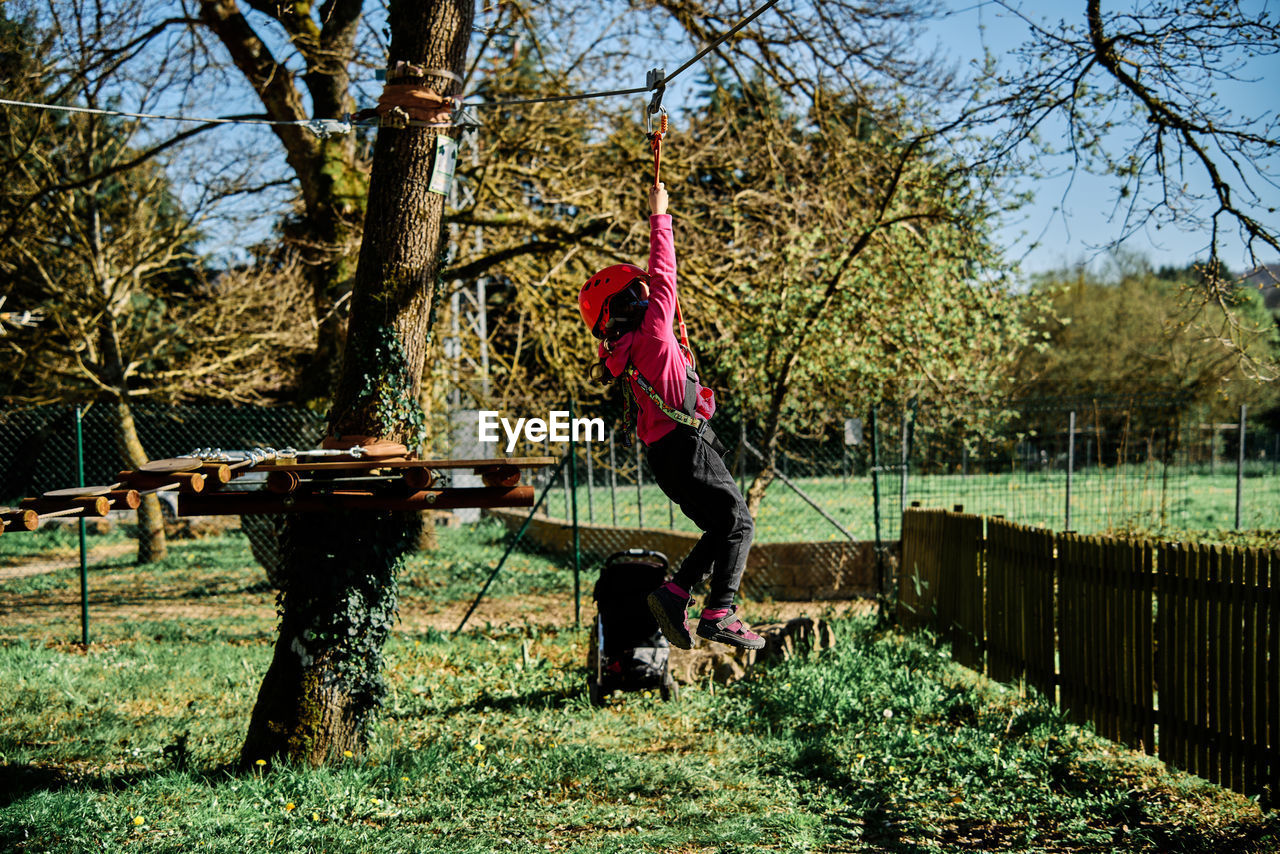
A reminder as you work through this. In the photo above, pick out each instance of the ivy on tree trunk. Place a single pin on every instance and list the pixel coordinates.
(339, 600)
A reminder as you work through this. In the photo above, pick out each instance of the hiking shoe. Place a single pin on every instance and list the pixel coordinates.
(668, 609)
(730, 630)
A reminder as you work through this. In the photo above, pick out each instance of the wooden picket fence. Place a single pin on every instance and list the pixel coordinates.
(1170, 648)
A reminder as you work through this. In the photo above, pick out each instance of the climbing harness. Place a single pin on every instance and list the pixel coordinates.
(686, 416)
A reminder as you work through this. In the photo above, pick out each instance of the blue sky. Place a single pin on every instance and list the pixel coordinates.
(1071, 218)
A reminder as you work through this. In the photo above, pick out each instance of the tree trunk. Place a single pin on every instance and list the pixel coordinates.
(152, 544)
(339, 600)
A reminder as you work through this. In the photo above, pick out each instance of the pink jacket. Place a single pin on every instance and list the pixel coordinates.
(654, 348)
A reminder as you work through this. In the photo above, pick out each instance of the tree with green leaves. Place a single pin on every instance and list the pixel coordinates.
(108, 258)
(866, 253)
(1129, 330)
(1137, 94)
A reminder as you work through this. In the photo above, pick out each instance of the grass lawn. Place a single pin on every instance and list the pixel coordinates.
(487, 742)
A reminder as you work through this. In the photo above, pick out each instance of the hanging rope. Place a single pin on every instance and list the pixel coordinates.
(655, 143)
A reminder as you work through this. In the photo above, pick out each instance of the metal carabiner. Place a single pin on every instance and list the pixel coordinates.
(648, 121)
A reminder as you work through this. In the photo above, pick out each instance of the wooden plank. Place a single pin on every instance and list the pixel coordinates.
(978, 603)
(966, 582)
(246, 503)
(946, 569)
(1249, 657)
(1171, 694)
(1019, 603)
(1219, 661)
(1146, 645)
(1126, 680)
(1095, 627)
(1164, 657)
(1106, 647)
(909, 543)
(1067, 633)
(995, 580)
(1234, 706)
(478, 465)
(1190, 657)
(973, 625)
(1125, 698)
(1167, 613)
(1090, 678)
(1265, 621)
(1083, 624)
(1118, 653)
(1044, 623)
(1204, 660)
(911, 548)
(1273, 675)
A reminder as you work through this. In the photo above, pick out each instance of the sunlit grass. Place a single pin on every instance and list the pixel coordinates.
(488, 743)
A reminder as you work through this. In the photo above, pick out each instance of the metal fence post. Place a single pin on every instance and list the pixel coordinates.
(902, 503)
(591, 479)
(577, 542)
(84, 547)
(1071, 466)
(568, 500)
(1240, 468)
(875, 501)
(639, 488)
(613, 479)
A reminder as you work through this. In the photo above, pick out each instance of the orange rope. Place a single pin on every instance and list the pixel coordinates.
(655, 142)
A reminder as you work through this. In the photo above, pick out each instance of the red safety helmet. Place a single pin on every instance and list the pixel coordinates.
(593, 299)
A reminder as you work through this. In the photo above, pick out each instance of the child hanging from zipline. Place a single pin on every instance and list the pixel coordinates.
(631, 311)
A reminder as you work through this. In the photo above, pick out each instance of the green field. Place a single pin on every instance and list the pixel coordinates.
(1122, 498)
(488, 742)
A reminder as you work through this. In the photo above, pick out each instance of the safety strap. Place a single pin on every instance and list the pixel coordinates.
(685, 417)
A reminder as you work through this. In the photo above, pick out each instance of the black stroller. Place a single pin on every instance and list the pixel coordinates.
(628, 651)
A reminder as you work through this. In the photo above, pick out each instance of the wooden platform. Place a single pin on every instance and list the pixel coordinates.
(215, 486)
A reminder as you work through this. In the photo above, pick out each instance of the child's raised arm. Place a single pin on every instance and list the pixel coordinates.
(658, 198)
(662, 266)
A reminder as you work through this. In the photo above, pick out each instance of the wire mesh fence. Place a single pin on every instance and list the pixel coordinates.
(826, 524)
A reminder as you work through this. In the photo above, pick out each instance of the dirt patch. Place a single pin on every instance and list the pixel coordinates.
(215, 599)
(42, 564)
(558, 611)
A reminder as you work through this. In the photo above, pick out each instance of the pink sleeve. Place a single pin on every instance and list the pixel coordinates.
(662, 276)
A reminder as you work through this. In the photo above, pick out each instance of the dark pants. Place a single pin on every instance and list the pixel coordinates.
(695, 478)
